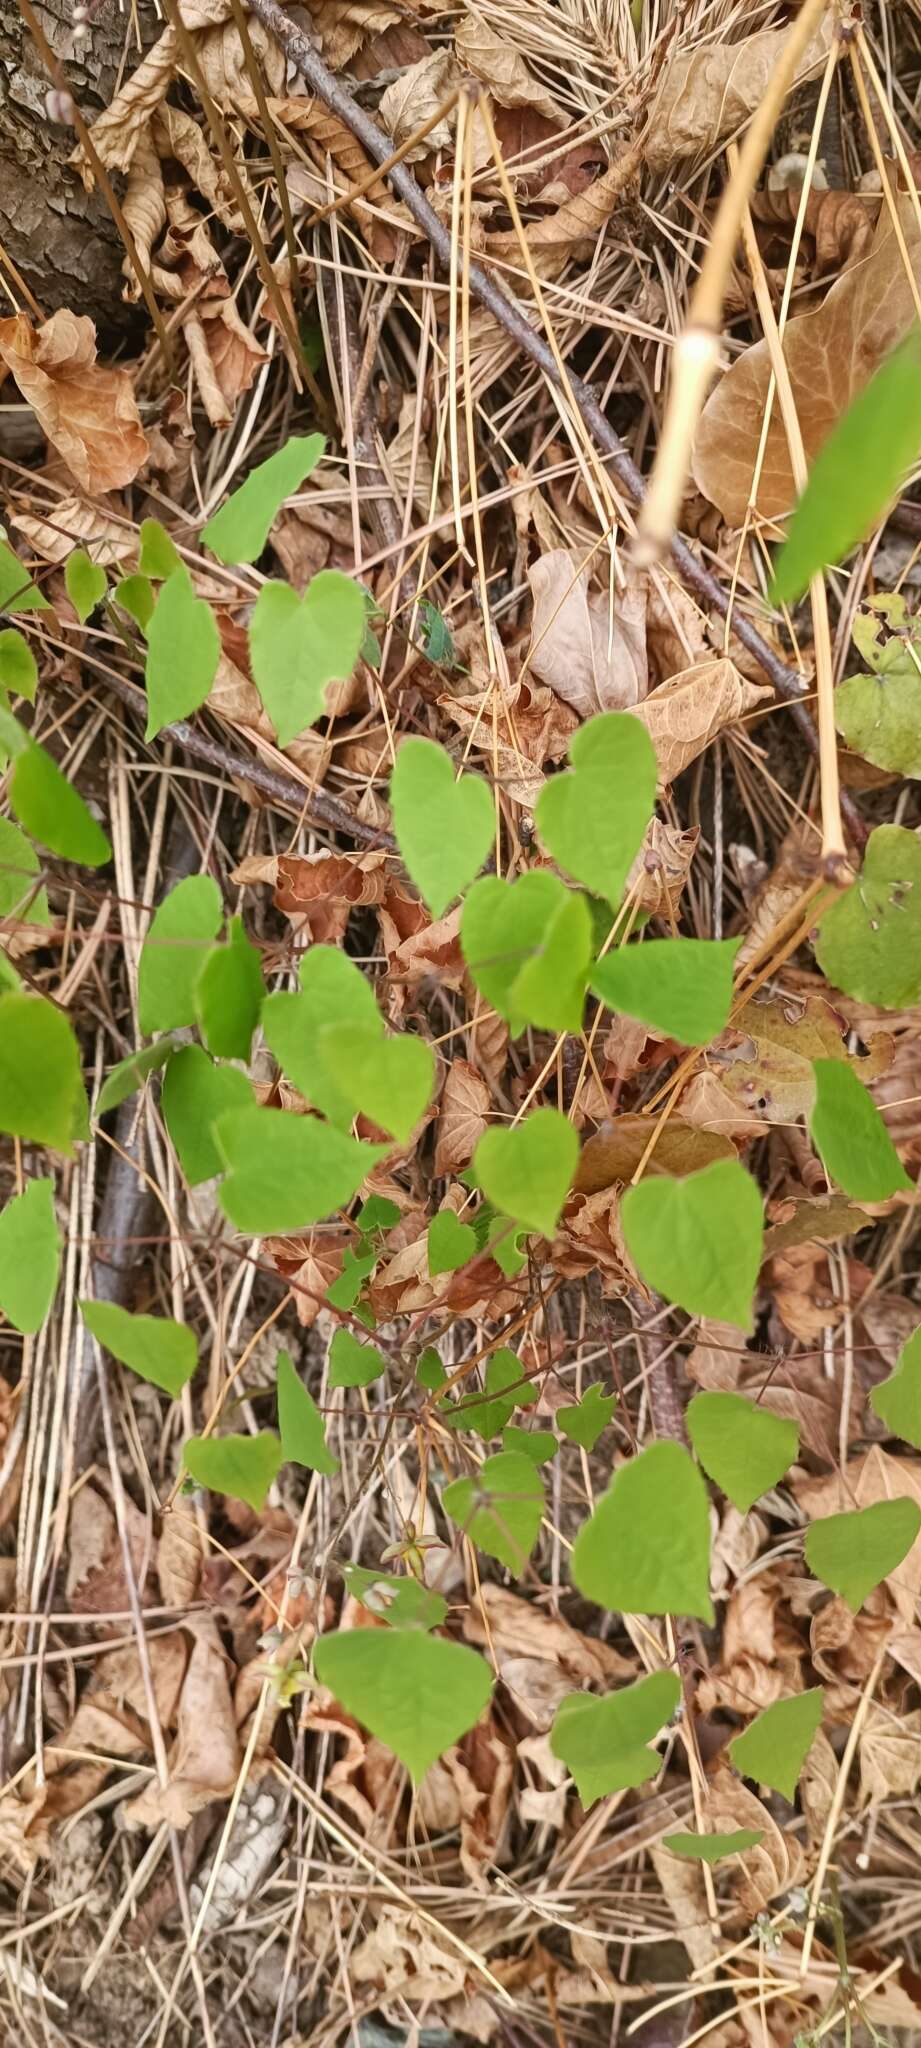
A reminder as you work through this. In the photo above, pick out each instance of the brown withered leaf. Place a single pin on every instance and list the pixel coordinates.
(764, 1059)
(825, 1220)
(179, 1557)
(205, 1757)
(88, 413)
(683, 715)
(659, 874)
(539, 1657)
(512, 83)
(462, 1118)
(590, 1240)
(796, 1389)
(873, 1477)
(774, 1865)
(318, 890)
(472, 1785)
(710, 92)
(402, 1958)
(682, 1882)
(96, 1582)
(415, 96)
(591, 654)
(890, 1754)
(708, 1105)
(415, 947)
(573, 229)
(73, 523)
(118, 129)
(793, 872)
(144, 207)
(225, 357)
(838, 224)
(614, 1153)
(830, 355)
(534, 727)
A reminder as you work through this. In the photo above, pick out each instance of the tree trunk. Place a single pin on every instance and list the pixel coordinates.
(62, 239)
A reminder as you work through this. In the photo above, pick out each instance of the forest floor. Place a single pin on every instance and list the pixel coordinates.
(198, 1842)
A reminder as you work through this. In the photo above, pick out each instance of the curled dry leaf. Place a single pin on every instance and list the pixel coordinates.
(830, 355)
(501, 66)
(612, 1156)
(179, 1556)
(76, 524)
(839, 224)
(774, 1865)
(462, 1117)
(682, 1881)
(318, 891)
(592, 653)
(890, 1754)
(225, 357)
(403, 1958)
(685, 714)
(573, 230)
(709, 93)
(205, 1758)
(414, 97)
(657, 879)
(118, 129)
(88, 413)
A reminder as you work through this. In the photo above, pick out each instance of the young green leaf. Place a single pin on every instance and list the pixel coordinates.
(646, 1548)
(300, 1424)
(540, 1445)
(285, 1171)
(604, 1743)
(346, 1288)
(681, 986)
(156, 1348)
(879, 714)
(698, 1241)
(390, 1080)
(415, 1692)
(158, 558)
(243, 1466)
(527, 1171)
(85, 582)
(869, 944)
(528, 945)
(195, 1093)
(41, 1085)
(505, 1389)
(377, 1215)
(352, 1364)
(298, 645)
(228, 994)
(850, 1136)
(501, 1509)
(131, 1073)
(712, 1848)
(183, 651)
(897, 1400)
(774, 1748)
(444, 828)
(19, 864)
(18, 666)
(584, 1422)
(593, 817)
(30, 1255)
(437, 640)
(857, 470)
(239, 531)
(854, 1552)
(402, 1603)
(182, 931)
(742, 1447)
(135, 594)
(46, 804)
(18, 593)
(450, 1243)
(334, 992)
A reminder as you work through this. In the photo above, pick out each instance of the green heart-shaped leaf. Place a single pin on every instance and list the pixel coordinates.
(333, 992)
(646, 1548)
(540, 1445)
(450, 1243)
(158, 556)
(243, 1466)
(501, 1509)
(352, 1364)
(605, 1743)
(285, 1171)
(527, 1172)
(41, 1083)
(744, 1448)
(300, 1424)
(528, 945)
(195, 1093)
(505, 1389)
(850, 1136)
(416, 1692)
(131, 1073)
(177, 944)
(870, 939)
(584, 1422)
(19, 864)
(682, 986)
(774, 1749)
(155, 1347)
(18, 666)
(854, 1552)
(228, 994)
(698, 1241)
(390, 1080)
(239, 531)
(86, 584)
(592, 818)
(444, 829)
(299, 645)
(183, 651)
(897, 1400)
(30, 1254)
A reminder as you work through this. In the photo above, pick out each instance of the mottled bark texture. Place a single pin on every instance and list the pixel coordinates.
(62, 239)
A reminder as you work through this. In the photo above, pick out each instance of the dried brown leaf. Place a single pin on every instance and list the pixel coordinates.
(225, 357)
(614, 1153)
(88, 413)
(685, 714)
(659, 874)
(402, 1958)
(774, 1865)
(710, 92)
(592, 654)
(830, 354)
(890, 1754)
(72, 523)
(179, 1557)
(501, 66)
(838, 224)
(463, 1117)
(205, 1758)
(574, 228)
(414, 97)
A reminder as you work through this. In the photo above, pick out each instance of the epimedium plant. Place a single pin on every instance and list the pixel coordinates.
(536, 949)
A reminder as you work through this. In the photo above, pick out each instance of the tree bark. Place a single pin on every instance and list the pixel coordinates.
(62, 239)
